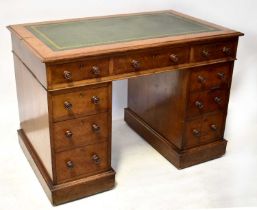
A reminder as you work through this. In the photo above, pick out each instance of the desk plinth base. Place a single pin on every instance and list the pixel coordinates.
(179, 158)
(68, 191)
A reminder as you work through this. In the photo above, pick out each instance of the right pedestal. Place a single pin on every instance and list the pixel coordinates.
(182, 113)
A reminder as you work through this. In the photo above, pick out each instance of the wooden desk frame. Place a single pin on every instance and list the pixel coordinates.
(165, 118)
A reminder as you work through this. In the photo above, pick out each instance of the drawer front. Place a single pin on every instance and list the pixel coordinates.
(206, 101)
(203, 130)
(211, 51)
(86, 160)
(80, 102)
(212, 127)
(78, 132)
(133, 62)
(150, 60)
(210, 77)
(171, 57)
(76, 71)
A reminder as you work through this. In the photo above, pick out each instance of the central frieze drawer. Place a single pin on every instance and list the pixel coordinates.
(82, 131)
(80, 102)
(86, 160)
(159, 58)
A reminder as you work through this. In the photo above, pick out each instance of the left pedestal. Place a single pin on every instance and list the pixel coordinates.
(66, 136)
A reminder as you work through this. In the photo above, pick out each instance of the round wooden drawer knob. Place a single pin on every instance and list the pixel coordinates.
(95, 100)
(174, 58)
(68, 134)
(201, 79)
(221, 75)
(135, 64)
(96, 158)
(67, 105)
(95, 127)
(199, 104)
(214, 127)
(218, 100)
(69, 164)
(206, 53)
(227, 51)
(196, 132)
(67, 75)
(96, 70)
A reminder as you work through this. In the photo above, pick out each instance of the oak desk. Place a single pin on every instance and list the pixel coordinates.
(64, 72)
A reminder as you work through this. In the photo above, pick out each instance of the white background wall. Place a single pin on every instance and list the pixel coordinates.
(236, 14)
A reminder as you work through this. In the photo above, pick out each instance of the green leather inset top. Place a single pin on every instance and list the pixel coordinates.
(100, 31)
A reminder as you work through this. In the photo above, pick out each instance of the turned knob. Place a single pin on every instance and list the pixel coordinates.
(174, 58)
(218, 100)
(96, 70)
(96, 158)
(135, 64)
(226, 50)
(214, 127)
(95, 100)
(67, 105)
(67, 75)
(68, 134)
(201, 79)
(221, 75)
(199, 104)
(95, 127)
(205, 53)
(69, 164)
(196, 132)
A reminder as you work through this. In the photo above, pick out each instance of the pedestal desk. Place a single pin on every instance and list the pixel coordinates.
(179, 70)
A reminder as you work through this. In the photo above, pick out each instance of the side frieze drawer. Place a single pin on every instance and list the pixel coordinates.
(210, 77)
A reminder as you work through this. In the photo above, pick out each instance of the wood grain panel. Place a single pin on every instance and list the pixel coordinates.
(210, 77)
(160, 100)
(69, 134)
(81, 102)
(79, 70)
(34, 119)
(31, 60)
(207, 101)
(205, 129)
(124, 64)
(82, 160)
(150, 59)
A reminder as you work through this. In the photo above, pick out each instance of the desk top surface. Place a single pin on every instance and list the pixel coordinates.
(61, 38)
(101, 31)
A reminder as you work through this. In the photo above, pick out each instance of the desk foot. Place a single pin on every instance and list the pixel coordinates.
(179, 158)
(68, 191)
